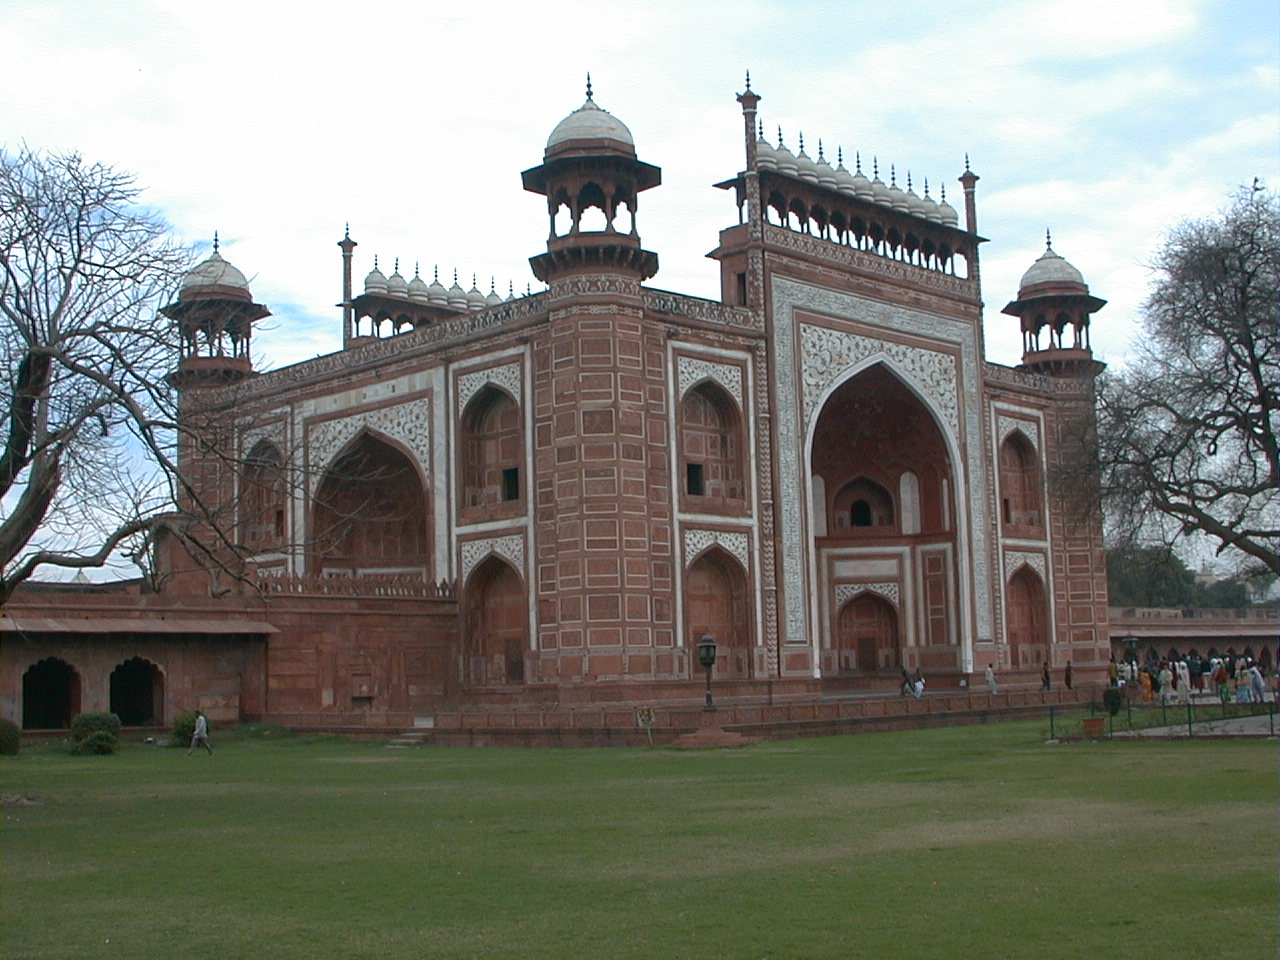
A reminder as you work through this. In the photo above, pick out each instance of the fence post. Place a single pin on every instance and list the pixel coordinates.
(1052, 735)
(1189, 733)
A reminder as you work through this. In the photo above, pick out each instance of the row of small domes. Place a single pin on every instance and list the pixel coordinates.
(435, 293)
(803, 167)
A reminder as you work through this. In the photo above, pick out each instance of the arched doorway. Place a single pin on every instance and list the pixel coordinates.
(497, 625)
(716, 603)
(50, 695)
(370, 514)
(137, 693)
(868, 636)
(1026, 620)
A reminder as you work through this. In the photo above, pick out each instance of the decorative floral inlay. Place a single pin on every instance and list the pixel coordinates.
(847, 591)
(1030, 430)
(510, 547)
(695, 541)
(409, 423)
(1013, 559)
(507, 377)
(727, 375)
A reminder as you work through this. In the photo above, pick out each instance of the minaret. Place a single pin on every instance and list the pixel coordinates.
(1054, 303)
(590, 162)
(348, 311)
(214, 314)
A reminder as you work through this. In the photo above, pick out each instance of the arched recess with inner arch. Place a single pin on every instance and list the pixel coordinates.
(711, 450)
(370, 514)
(1021, 501)
(867, 636)
(1026, 619)
(50, 695)
(491, 448)
(876, 443)
(264, 499)
(716, 602)
(137, 693)
(496, 625)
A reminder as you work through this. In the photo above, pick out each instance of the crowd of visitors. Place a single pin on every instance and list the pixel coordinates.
(1178, 679)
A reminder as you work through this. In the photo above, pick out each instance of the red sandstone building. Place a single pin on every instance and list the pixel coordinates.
(549, 499)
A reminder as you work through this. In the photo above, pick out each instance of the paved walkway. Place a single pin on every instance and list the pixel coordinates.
(1260, 726)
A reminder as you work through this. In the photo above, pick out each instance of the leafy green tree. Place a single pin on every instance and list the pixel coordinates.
(1149, 577)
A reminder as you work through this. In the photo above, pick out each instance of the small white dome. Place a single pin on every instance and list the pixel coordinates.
(475, 299)
(784, 159)
(376, 281)
(215, 272)
(418, 289)
(436, 293)
(494, 298)
(397, 286)
(1051, 268)
(457, 296)
(589, 122)
(765, 159)
(806, 169)
(826, 172)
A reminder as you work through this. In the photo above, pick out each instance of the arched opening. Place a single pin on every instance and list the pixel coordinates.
(864, 506)
(370, 514)
(137, 693)
(711, 449)
(50, 695)
(716, 603)
(492, 449)
(1021, 509)
(593, 215)
(867, 636)
(1026, 616)
(263, 499)
(497, 625)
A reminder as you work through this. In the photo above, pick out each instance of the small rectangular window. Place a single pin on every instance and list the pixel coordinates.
(511, 483)
(742, 289)
(693, 479)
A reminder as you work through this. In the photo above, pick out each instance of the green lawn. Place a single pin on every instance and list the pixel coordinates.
(967, 842)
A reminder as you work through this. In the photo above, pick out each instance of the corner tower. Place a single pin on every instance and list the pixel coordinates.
(214, 314)
(590, 164)
(1052, 299)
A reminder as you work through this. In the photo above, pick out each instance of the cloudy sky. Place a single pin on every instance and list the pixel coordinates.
(276, 122)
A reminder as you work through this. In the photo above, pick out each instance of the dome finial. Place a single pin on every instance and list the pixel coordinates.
(215, 241)
(857, 161)
(346, 230)
(761, 123)
(779, 136)
(820, 156)
(966, 161)
(748, 81)
(1048, 240)
(588, 84)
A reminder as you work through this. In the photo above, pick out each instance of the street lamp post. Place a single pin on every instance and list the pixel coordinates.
(707, 657)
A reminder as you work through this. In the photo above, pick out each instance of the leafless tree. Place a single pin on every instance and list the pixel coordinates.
(87, 465)
(1187, 431)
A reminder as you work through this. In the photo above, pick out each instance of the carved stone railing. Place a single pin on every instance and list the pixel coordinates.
(708, 311)
(391, 586)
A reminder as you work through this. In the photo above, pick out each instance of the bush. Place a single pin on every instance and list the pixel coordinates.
(1113, 699)
(10, 738)
(96, 742)
(85, 724)
(184, 728)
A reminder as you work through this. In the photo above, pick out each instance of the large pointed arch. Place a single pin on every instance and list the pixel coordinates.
(716, 602)
(496, 625)
(1026, 619)
(868, 640)
(712, 449)
(370, 514)
(491, 454)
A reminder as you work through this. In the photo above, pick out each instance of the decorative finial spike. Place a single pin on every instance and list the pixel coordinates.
(1048, 240)
(926, 187)
(944, 193)
(761, 123)
(857, 160)
(875, 167)
(588, 84)
(346, 230)
(435, 273)
(748, 81)
(416, 274)
(375, 261)
(839, 155)
(908, 179)
(215, 241)
(397, 265)
(779, 136)
(802, 141)
(820, 156)
(893, 175)
(966, 161)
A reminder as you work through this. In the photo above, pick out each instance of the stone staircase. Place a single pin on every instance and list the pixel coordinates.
(410, 738)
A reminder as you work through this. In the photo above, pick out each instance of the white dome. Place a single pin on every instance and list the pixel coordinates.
(215, 272)
(418, 287)
(397, 286)
(436, 293)
(376, 281)
(1051, 268)
(589, 122)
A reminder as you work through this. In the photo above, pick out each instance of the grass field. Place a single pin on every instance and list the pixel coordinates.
(964, 842)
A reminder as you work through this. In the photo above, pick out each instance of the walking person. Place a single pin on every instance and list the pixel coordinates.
(1045, 681)
(991, 680)
(1066, 676)
(200, 737)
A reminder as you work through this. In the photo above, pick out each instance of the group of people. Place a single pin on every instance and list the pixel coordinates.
(1177, 679)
